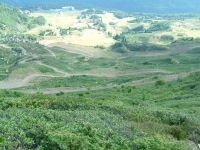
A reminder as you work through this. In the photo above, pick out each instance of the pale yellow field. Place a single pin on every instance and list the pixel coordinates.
(188, 28)
(119, 23)
(86, 37)
(92, 37)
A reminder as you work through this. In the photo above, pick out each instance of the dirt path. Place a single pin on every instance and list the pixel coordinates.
(27, 59)
(21, 82)
(51, 52)
(66, 74)
(17, 83)
(133, 83)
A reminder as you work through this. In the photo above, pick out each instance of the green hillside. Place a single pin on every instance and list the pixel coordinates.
(13, 20)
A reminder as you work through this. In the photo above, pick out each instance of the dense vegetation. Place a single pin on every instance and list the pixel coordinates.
(156, 116)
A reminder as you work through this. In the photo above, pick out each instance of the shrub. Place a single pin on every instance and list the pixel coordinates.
(40, 20)
(160, 83)
(112, 23)
(100, 46)
(171, 118)
(155, 143)
(81, 94)
(167, 38)
(178, 133)
(145, 47)
(159, 26)
(139, 29)
(60, 93)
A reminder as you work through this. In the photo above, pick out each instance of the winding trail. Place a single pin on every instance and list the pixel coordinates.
(21, 82)
(113, 75)
(51, 52)
(26, 81)
(65, 74)
(133, 83)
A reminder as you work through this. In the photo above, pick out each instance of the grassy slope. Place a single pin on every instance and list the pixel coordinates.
(12, 19)
(13, 24)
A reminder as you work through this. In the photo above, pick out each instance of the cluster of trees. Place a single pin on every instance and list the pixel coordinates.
(155, 27)
(47, 32)
(35, 21)
(124, 43)
(158, 26)
(92, 14)
(68, 31)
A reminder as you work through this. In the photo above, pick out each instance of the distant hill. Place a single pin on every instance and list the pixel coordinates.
(14, 20)
(11, 18)
(151, 6)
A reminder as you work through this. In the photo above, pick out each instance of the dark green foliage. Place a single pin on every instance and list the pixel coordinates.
(160, 82)
(100, 46)
(64, 31)
(145, 47)
(93, 17)
(40, 20)
(17, 50)
(127, 40)
(168, 38)
(139, 29)
(178, 133)
(42, 33)
(122, 47)
(159, 26)
(60, 93)
(112, 23)
(47, 33)
(81, 94)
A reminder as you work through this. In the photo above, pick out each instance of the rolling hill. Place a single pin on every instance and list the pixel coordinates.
(13, 20)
